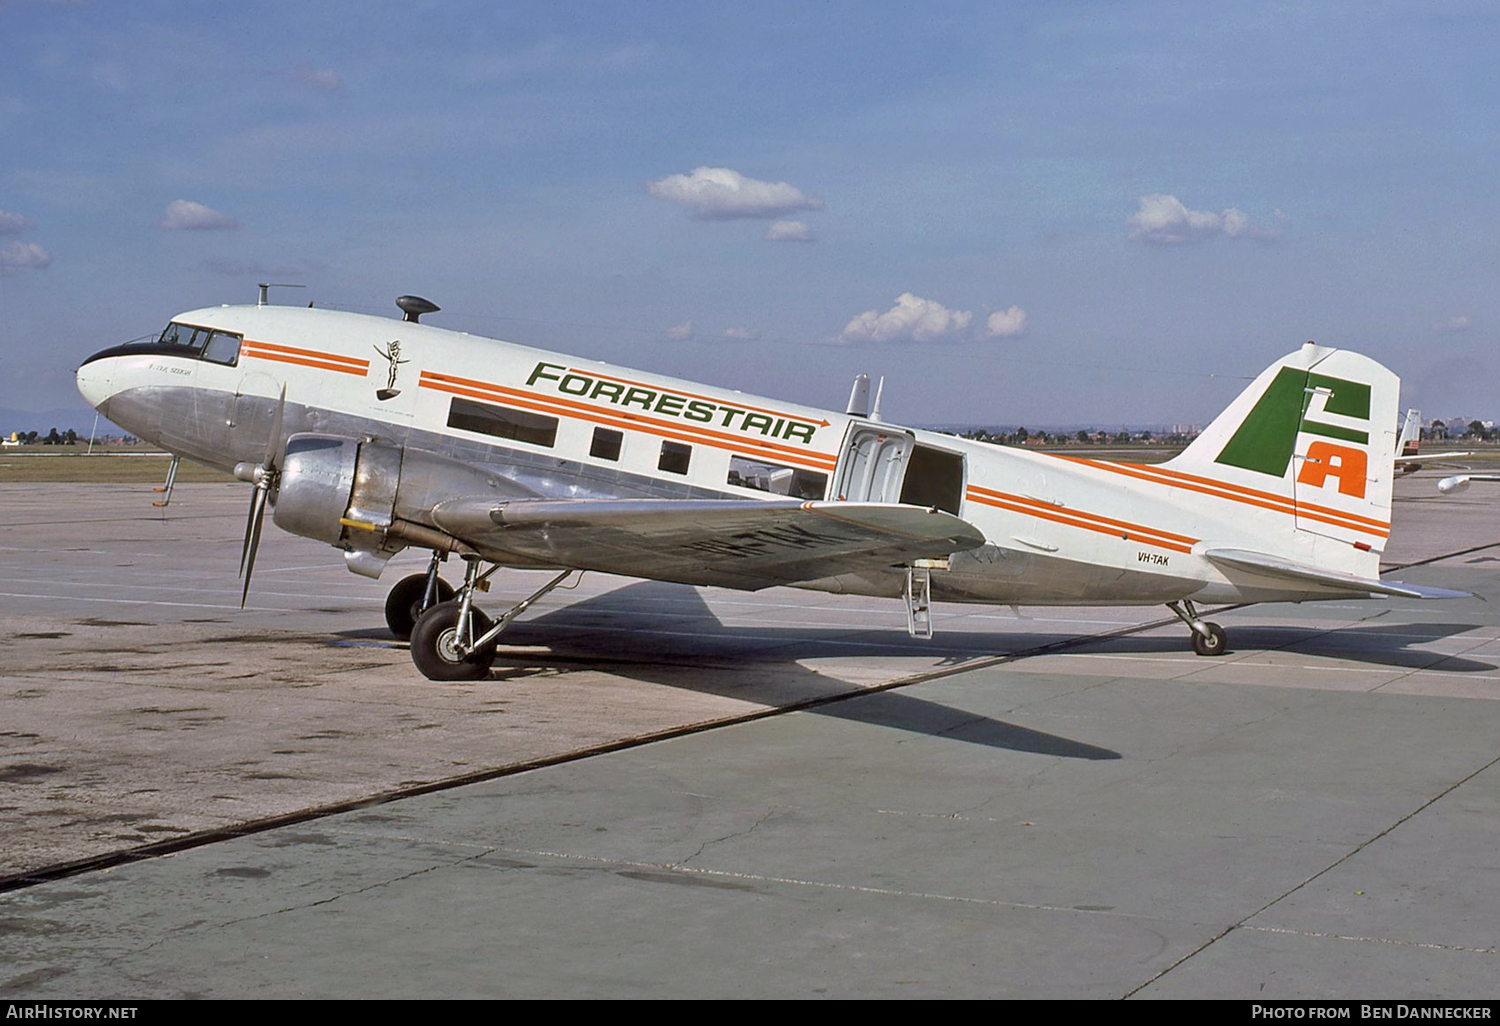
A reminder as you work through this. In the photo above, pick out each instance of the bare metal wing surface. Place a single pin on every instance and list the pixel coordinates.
(727, 543)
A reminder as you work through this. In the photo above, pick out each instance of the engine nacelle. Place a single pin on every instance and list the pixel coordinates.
(371, 498)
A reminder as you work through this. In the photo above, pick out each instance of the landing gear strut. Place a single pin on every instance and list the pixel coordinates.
(1209, 639)
(455, 640)
(412, 596)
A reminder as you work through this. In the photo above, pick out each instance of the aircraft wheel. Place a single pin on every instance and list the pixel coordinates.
(404, 604)
(432, 645)
(1215, 644)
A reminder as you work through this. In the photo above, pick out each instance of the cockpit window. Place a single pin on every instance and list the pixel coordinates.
(207, 343)
(184, 335)
(222, 348)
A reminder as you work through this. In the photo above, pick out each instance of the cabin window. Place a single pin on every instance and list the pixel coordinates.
(935, 478)
(502, 422)
(675, 457)
(222, 348)
(606, 445)
(776, 478)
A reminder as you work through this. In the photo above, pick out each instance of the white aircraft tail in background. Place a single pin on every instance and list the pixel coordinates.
(1408, 460)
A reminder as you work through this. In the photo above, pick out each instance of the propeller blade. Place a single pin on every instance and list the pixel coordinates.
(249, 528)
(273, 443)
(265, 480)
(252, 536)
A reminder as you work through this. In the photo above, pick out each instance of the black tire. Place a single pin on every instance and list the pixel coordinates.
(404, 604)
(432, 645)
(1217, 642)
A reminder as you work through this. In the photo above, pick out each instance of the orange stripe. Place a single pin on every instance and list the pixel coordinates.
(694, 395)
(1175, 476)
(551, 404)
(1099, 525)
(1239, 493)
(815, 461)
(319, 364)
(352, 361)
(1124, 525)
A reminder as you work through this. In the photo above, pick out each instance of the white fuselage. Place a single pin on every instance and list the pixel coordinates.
(1058, 529)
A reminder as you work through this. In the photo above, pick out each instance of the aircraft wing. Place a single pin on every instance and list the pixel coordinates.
(1458, 483)
(731, 543)
(1298, 573)
(1426, 456)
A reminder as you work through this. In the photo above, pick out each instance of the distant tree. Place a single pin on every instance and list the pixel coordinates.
(1021, 435)
(1476, 429)
(53, 438)
(1082, 436)
(71, 438)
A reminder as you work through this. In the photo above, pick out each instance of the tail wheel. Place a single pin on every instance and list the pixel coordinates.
(403, 606)
(1216, 643)
(434, 645)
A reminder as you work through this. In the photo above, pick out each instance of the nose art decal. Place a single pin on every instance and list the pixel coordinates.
(392, 355)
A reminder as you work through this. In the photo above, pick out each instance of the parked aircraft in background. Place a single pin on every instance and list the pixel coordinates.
(1459, 482)
(375, 435)
(1408, 461)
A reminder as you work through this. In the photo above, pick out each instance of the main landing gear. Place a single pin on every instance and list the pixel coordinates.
(412, 596)
(455, 640)
(1209, 639)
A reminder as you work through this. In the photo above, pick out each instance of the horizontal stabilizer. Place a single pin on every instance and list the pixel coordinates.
(1286, 570)
(731, 543)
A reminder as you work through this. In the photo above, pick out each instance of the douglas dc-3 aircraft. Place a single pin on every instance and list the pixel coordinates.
(374, 435)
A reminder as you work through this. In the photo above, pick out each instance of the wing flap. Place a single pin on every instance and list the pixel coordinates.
(1287, 570)
(732, 543)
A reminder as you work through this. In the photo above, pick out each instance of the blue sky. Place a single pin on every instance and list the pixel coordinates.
(1021, 213)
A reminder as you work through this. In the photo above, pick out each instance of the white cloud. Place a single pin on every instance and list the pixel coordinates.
(912, 319)
(1165, 220)
(187, 216)
(789, 231)
(15, 256)
(14, 224)
(1458, 323)
(720, 194)
(681, 331)
(741, 334)
(1006, 323)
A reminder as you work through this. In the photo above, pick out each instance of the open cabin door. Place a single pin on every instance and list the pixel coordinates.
(872, 463)
(883, 463)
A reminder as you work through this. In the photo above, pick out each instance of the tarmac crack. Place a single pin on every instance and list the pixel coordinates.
(683, 863)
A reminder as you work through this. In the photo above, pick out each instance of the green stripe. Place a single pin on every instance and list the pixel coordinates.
(1312, 427)
(1264, 440)
(1349, 398)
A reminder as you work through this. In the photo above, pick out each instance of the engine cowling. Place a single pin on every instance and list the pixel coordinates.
(372, 498)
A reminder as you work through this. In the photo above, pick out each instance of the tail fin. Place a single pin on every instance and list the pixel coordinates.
(1411, 434)
(1314, 435)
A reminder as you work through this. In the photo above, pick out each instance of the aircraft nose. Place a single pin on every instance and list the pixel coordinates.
(95, 379)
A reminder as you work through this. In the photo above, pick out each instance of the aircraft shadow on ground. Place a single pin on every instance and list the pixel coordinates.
(662, 653)
(675, 623)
